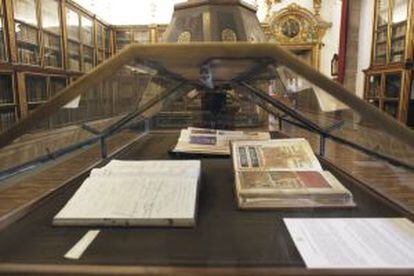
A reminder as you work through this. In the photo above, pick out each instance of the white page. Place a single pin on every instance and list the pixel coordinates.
(354, 242)
(134, 198)
(135, 190)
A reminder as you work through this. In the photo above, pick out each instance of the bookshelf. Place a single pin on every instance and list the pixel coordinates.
(52, 33)
(389, 79)
(8, 111)
(27, 31)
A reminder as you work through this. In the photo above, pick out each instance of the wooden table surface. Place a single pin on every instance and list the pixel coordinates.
(224, 241)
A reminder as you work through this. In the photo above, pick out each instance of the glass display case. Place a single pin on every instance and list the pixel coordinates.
(369, 153)
(27, 31)
(388, 83)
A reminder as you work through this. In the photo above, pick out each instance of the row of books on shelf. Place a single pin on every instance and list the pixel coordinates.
(7, 119)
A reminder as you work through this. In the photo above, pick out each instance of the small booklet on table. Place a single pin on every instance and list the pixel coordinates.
(213, 141)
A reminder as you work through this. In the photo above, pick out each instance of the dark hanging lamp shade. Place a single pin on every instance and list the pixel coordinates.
(214, 20)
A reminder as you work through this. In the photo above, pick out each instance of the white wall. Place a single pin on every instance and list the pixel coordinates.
(364, 45)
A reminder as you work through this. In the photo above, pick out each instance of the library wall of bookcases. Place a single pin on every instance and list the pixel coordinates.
(390, 76)
(47, 44)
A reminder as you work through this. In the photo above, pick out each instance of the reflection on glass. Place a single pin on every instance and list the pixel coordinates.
(27, 44)
(7, 118)
(6, 94)
(36, 89)
(107, 40)
(25, 11)
(101, 56)
(374, 86)
(74, 56)
(99, 36)
(87, 34)
(382, 12)
(87, 58)
(50, 16)
(392, 85)
(56, 85)
(123, 38)
(141, 36)
(52, 56)
(2, 45)
(72, 23)
(391, 108)
(399, 11)
(399, 28)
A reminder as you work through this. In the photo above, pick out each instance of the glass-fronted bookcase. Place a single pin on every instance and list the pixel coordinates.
(389, 79)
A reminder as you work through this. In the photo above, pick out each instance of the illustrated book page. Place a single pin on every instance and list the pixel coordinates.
(274, 155)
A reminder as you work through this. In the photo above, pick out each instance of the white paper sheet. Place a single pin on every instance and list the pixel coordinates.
(354, 242)
(136, 193)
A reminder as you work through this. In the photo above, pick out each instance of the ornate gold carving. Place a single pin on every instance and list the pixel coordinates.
(297, 25)
(228, 35)
(184, 37)
(317, 4)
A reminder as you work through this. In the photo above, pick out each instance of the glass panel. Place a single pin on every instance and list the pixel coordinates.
(141, 36)
(72, 24)
(25, 11)
(7, 118)
(399, 11)
(2, 44)
(398, 29)
(74, 56)
(382, 10)
(99, 36)
(107, 40)
(6, 92)
(27, 44)
(87, 58)
(56, 85)
(101, 56)
(36, 89)
(374, 86)
(320, 109)
(53, 54)
(87, 31)
(123, 39)
(392, 85)
(391, 107)
(50, 16)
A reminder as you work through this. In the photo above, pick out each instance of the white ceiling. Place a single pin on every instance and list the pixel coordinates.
(124, 12)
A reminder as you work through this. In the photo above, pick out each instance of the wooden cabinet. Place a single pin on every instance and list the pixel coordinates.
(389, 79)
